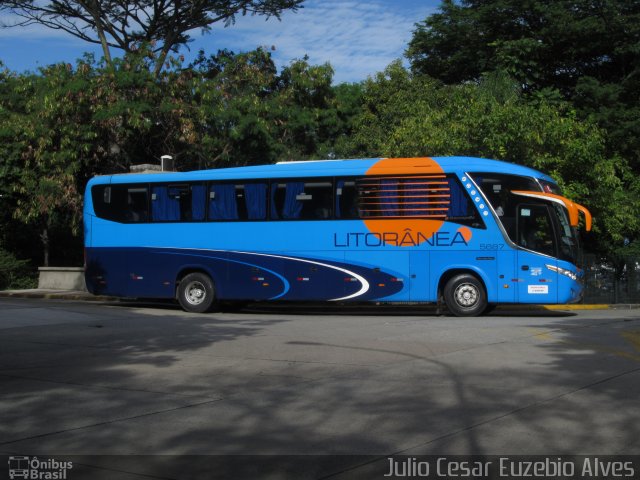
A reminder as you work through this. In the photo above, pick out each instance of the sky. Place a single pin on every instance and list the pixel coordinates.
(357, 37)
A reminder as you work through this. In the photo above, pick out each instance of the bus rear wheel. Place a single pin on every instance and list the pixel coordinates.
(196, 293)
(465, 296)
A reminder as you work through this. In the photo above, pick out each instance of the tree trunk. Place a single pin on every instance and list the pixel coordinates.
(164, 53)
(105, 47)
(93, 7)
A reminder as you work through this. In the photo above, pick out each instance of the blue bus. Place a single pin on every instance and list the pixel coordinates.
(467, 232)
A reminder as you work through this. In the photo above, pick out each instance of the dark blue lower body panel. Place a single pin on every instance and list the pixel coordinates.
(154, 273)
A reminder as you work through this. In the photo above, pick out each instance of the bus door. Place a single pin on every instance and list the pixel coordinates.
(507, 292)
(419, 276)
(536, 283)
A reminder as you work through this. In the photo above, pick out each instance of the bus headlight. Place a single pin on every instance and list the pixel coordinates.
(563, 271)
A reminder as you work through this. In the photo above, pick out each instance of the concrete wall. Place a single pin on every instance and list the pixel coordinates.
(61, 278)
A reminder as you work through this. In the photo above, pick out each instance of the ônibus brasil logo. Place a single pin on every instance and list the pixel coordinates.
(38, 469)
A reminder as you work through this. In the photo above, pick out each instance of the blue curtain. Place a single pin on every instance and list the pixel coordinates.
(164, 207)
(198, 201)
(223, 204)
(255, 195)
(458, 205)
(417, 195)
(292, 207)
(413, 207)
(389, 198)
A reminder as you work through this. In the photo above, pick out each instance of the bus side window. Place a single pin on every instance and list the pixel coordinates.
(238, 201)
(121, 203)
(178, 203)
(299, 200)
(461, 208)
(103, 202)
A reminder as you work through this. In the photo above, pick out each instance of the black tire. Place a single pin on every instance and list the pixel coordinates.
(196, 293)
(465, 296)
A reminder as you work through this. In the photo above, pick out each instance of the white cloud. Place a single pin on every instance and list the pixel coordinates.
(358, 37)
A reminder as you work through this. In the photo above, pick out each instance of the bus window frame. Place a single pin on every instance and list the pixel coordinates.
(448, 176)
(187, 184)
(319, 179)
(236, 182)
(128, 187)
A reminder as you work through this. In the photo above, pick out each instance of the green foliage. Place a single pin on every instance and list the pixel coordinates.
(14, 273)
(250, 114)
(542, 44)
(584, 51)
(44, 137)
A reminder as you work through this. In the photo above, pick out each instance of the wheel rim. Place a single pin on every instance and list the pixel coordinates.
(466, 295)
(195, 293)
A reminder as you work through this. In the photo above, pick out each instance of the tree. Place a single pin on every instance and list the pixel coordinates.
(585, 51)
(250, 114)
(165, 24)
(542, 44)
(43, 142)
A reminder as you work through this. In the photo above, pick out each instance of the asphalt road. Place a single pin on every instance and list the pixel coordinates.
(111, 379)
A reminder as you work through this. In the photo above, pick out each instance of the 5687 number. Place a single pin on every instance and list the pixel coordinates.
(491, 246)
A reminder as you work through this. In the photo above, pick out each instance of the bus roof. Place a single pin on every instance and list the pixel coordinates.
(313, 168)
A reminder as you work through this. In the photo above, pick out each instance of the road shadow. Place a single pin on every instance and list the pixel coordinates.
(121, 381)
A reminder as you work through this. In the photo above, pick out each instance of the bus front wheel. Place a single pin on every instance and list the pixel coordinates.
(196, 293)
(465, 296)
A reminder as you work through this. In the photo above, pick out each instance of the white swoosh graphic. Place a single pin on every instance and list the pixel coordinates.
(363, 289)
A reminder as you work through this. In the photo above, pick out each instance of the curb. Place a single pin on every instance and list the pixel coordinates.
(58, 295)
(578, 307)
(617, 306)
